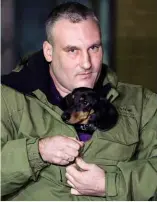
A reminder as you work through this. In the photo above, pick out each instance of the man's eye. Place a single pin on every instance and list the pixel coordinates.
(95, 48)
(72, 51)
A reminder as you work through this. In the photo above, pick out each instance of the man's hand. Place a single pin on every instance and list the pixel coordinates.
(59, 150)
(89, 179)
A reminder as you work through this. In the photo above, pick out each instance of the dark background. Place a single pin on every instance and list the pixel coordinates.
(129, 29)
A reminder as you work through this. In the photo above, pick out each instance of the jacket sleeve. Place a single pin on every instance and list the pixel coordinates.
(20, 157)
(138, 178)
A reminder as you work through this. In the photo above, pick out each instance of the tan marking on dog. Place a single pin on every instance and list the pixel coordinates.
(80, 117)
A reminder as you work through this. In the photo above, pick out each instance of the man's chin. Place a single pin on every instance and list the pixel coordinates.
(87, 85)
(87, 81)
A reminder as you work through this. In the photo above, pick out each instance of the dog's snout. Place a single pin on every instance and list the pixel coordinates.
(65, 116)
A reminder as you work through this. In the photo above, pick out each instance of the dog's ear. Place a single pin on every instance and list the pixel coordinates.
(107, 116)
(104, 90)
(67, 101)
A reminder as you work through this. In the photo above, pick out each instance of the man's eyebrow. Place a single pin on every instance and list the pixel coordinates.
(69, 47)
(98, 43)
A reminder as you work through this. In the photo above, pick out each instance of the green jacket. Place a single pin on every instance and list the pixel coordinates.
(127, 152)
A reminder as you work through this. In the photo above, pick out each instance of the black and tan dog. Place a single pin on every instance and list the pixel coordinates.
(88, 110)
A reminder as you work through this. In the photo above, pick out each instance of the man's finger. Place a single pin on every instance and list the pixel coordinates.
(82, 164)
(72, 152)
(71, 184)
(79, 142)
(72, 170)
(75, 192)
(71, 179)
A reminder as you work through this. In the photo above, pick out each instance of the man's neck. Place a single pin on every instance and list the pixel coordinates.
(62, 91)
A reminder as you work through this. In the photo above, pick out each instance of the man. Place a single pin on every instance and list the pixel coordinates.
(42, 157)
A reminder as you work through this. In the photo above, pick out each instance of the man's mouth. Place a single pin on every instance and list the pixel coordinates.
(85, 75)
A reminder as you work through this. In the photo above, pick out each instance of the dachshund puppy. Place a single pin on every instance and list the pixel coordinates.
(88, 110)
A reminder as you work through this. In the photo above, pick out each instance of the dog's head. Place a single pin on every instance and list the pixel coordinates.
(86, 107)
(80, 105)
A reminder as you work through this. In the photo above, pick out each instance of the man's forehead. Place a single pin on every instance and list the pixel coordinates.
(76, 33)
(67, 22)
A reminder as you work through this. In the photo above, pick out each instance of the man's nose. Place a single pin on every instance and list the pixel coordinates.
(86, 61)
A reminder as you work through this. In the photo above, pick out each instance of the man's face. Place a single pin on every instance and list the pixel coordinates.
(76, 54)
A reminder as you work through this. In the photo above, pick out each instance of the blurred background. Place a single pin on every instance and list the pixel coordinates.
(129, 30)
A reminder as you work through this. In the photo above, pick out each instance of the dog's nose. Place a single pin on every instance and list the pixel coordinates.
(65, 116)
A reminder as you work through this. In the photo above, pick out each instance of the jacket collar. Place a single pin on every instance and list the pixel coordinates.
(32, 75)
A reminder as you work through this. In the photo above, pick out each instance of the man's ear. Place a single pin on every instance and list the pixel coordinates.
(47, 50)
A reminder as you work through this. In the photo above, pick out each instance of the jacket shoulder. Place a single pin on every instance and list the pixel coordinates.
(11, 99)
(143, 99)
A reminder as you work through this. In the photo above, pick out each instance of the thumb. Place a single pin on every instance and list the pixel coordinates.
(82, 164)
(80, 142)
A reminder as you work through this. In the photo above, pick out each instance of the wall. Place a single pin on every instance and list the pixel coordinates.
(23, 27)
(136, 42)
